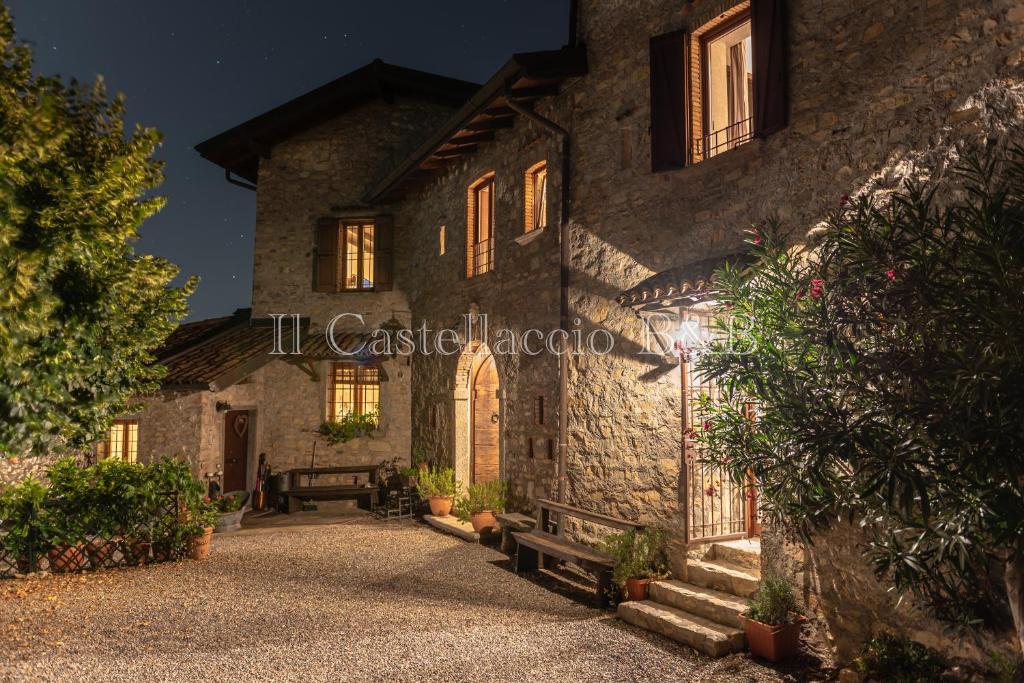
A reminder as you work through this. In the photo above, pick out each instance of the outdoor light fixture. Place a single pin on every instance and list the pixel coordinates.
(223, 406)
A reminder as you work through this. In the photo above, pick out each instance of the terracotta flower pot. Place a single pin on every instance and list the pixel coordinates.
(637, 589)
(101, 552)
(441, 506)
(66, 558)
(135, 551)
(483, 520)
(774, 643)
(199, 546)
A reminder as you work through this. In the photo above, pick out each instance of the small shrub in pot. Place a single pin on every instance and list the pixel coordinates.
(439, 486)
(639, 559)
(481, 503)
(773, 620)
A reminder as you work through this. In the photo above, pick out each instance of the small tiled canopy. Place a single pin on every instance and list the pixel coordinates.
(678, 286)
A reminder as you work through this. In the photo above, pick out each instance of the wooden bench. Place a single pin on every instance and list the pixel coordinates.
(297, 492)
(535, 547)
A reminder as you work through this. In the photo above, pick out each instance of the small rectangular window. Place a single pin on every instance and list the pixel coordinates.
(122, 441)
(353, 389)
(538, 410)
(441, 240)
(357, 256)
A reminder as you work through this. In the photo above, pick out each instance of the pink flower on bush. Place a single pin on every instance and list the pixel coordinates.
(800, 295)
(891, 274)
(817, 287)
(757, 239)
(844, 200)
(707, 425)
(206, 499)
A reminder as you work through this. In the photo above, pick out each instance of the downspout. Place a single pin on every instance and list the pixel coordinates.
(563, 303)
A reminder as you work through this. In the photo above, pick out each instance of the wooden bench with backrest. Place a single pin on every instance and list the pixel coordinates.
(356, 481)
(534, 547)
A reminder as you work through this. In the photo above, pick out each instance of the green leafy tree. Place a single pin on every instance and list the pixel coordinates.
(80, 312)
(886, 364)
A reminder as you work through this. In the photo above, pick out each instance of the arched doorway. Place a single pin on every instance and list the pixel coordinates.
(478, 416)
(486, 423)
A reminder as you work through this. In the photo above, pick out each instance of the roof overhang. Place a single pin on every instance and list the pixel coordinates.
(681, 286)
(525, 78)
(239, 149)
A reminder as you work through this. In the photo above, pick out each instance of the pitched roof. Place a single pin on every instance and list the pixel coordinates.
(677, 286)
(525, 78)
(234, 347)
(239, 149)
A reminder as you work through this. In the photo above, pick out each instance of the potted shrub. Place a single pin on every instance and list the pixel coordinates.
(171, 540)
(199, 529)
(639, 558)
(773, 620)
(229, 508)
(62, 537)
(480, 504)
(439, 487)
(349, 426)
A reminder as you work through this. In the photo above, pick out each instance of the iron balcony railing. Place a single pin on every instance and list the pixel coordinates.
(723, 139)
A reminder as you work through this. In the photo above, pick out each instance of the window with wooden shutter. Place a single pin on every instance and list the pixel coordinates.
(354, 255)
(668, 101)
(121, 442)
(325, 278)
(384, 276)
(771, 87)
(535, 197)
(719, 84)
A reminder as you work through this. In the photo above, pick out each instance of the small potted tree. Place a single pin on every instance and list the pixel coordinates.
(480, 504)
(439, 486)
(639, 559)
(773, 620)
(199, 528)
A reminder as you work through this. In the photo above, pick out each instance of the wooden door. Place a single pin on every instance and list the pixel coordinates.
(486, 422)
(236, 449)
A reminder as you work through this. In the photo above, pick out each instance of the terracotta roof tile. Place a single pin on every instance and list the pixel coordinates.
(677, 286)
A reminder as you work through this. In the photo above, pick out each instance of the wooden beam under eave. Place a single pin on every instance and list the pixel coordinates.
(450, 153)
(492, 124)
(472, 138)
(536, 91)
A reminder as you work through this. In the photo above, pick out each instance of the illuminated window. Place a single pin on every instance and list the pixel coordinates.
(354, 389)
(480, 227)
(440, 241)
(536, 197)
(728, 97)
(122, 441)
(357, 255)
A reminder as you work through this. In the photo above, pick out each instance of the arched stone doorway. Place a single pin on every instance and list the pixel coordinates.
(478, 416)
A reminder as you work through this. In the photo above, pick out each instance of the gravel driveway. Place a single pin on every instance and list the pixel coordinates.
(357, 600)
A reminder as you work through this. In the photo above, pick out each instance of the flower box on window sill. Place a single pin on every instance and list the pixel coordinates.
(528, 237)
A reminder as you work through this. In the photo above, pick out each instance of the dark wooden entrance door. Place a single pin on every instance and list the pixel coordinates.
(486, 422)
(236, 449)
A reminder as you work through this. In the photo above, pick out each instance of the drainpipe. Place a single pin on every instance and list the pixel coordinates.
(563, 304)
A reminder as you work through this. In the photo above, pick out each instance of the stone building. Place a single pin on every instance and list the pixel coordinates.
(580, 189)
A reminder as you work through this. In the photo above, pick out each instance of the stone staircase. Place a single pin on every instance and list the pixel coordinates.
(704, 610)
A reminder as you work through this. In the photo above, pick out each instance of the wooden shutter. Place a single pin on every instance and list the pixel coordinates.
(325, 263)
(384, 254)
(669, 125)
(771, 97)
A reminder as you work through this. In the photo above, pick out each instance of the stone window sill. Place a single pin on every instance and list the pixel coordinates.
(527, 237)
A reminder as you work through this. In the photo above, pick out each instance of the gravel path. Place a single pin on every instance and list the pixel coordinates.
(360, 600)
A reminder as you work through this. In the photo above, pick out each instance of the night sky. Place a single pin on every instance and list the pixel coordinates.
(194, 69)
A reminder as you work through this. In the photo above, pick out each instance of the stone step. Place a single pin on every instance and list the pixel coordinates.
(451, 524)
(697, 632)
(744, 553)
(717, 606)
(720, 576)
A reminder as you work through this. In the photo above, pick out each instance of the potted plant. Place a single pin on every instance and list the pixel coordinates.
(199, 528)
(773, 620)
(229, 508)
(439, 487)
(639, 559)
(171, 540)
(480, 504)
(349, 426)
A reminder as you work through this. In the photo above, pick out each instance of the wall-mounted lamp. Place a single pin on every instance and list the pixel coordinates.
(223, 406)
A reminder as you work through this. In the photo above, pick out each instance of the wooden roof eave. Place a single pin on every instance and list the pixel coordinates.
(532, 75)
